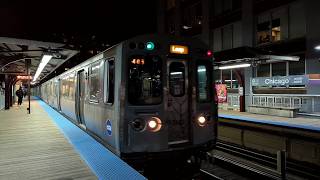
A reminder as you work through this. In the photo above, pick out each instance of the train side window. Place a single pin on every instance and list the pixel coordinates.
(177, 79)
(94, 81)
(203, 86)
(108, 83)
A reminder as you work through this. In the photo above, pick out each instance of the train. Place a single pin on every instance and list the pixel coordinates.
(148, 97)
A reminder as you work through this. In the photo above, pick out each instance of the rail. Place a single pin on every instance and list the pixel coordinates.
(274, 167)
(307, 104)
(2, 99)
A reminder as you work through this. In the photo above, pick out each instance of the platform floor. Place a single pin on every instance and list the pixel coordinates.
(32, 147)
(301, 122)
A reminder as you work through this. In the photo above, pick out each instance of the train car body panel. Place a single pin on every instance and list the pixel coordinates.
(147, 95)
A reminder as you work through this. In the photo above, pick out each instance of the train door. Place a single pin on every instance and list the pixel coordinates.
(178, 102)
(80, 98)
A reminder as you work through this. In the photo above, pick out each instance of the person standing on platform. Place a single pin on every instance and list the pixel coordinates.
(19, 93)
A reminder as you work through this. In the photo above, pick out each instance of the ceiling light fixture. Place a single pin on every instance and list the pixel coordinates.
(234, 66)
(44, 61)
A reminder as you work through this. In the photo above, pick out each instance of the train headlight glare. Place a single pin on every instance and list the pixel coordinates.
(201, 120)
(154, 124)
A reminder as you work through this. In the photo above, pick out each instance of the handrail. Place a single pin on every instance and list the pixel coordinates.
(293, 95)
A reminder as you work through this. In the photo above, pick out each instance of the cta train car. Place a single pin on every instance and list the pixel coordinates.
(148, 96)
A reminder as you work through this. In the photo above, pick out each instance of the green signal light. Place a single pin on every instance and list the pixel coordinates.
(149, 46)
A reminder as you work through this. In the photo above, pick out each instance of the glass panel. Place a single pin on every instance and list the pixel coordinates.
(145, 75)
(202, 83)
(177, 79)
(217, 76)
(235, 83)
(94, 81)
(279, 69)
(226, 78)
(297, 67)
(263, 70)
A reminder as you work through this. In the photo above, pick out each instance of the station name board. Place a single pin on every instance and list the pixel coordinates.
(280, 80)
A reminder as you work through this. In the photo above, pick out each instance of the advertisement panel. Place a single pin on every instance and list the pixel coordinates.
(221, 92)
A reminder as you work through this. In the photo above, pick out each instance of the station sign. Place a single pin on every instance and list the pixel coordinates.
(280, 80)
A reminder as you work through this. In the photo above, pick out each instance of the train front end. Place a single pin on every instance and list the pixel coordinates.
(167, 98)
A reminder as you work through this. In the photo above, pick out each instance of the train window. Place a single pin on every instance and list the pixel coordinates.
(71, 85)
(144, 81)
(94, 81)
(109, 81)
(202, 83)
(177, 79)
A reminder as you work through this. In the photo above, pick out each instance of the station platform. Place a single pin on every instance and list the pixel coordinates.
(300, 122)
(45, 145)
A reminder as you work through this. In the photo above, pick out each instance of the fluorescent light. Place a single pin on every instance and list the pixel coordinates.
(175, 73)
(44, 61)
(234, 66)
(317, 47)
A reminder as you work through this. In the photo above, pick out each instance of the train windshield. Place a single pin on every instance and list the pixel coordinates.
(144, 81)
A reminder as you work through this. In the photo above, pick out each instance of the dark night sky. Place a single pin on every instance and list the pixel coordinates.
(110, 21)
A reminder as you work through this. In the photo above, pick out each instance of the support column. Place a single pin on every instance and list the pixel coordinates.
(7, 92)
(247, 40)
(28, 62)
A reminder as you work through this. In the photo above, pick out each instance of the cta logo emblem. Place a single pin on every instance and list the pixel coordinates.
(109, 127)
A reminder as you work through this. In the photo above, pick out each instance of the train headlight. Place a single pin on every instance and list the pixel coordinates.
(202, 120)
(154, 124)
(138, 124)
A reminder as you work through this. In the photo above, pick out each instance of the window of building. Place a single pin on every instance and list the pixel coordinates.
(263, 70)
(263, 30)
(279, 69)
(144, 76)
(275, 31)
(94, 81)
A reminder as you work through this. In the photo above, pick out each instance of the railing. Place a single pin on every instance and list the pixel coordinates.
(2, 99)
(308, 104)
(233, 102)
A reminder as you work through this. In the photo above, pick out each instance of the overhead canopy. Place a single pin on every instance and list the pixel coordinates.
(249, 54)
(14, 52)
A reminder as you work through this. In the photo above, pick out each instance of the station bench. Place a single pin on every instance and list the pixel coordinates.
(290, 112)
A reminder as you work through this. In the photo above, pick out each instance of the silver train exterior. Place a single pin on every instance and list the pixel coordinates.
(148, 96)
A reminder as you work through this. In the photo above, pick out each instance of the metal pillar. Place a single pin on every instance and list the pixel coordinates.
(281, 163)
(28, 61)
(7, 92)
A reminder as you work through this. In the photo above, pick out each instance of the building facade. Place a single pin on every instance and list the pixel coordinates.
(287, 30)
